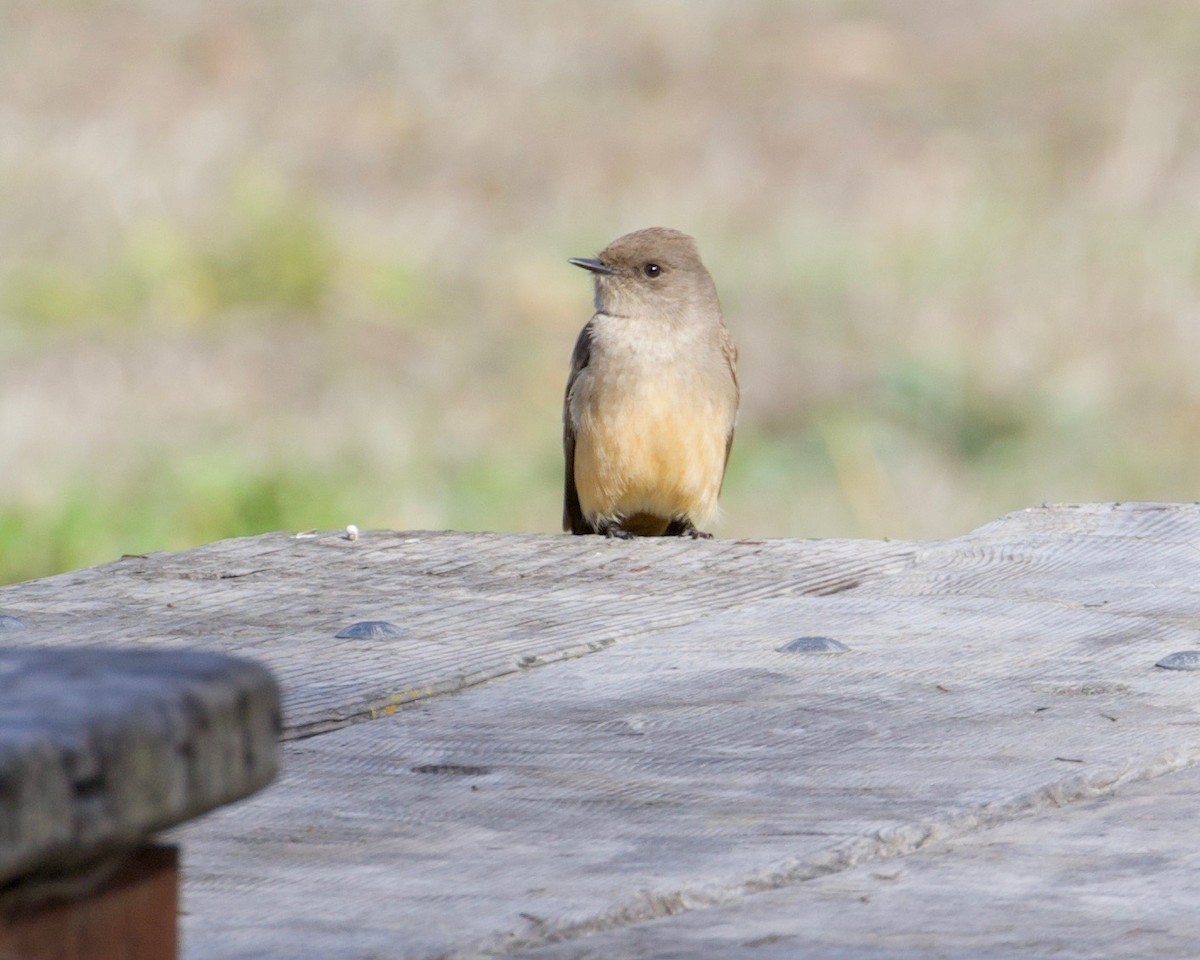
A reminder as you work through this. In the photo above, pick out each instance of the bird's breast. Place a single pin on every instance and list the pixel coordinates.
(652, 416)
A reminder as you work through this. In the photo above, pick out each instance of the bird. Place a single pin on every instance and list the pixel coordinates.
(652, 396)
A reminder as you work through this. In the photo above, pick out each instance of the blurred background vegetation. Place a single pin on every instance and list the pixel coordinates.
(281, 264)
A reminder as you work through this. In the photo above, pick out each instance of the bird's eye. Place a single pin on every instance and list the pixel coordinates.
(652, 269)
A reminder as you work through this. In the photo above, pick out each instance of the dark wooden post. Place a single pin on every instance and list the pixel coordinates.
(130, 916)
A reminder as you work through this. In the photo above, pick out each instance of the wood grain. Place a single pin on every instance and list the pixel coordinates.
(132, 916)
(576, 741)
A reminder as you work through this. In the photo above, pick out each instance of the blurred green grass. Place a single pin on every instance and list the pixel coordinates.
(276, 267)
(265, 247)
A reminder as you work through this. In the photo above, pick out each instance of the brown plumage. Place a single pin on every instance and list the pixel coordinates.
(652, 396)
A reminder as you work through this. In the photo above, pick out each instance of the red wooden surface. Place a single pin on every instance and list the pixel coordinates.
(131, 917)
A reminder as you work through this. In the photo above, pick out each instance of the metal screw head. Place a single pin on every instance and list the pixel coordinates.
(813, 645)
(369, 630)
(1181, 660)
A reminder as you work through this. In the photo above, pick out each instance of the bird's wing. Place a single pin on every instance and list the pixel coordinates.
(730, 353)
(573, 520)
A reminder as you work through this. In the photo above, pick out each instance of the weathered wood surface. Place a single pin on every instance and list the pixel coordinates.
(649, 775)
(1113, 877)
(99, 749)
(471, 607)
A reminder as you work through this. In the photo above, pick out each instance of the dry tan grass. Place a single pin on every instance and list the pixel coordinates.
(298, 264)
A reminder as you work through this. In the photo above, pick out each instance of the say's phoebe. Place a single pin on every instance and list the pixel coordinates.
(652, 396)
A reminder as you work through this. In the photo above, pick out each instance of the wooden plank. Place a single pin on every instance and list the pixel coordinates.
(471, 607)
(648, 750)
(130, 916)
(99, 749)
(1114, 879)
(691, 765)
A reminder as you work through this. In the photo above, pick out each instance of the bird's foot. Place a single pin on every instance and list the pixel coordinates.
(685, 528)
(614, 531)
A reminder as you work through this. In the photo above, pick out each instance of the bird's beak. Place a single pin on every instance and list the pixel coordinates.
(595, 266)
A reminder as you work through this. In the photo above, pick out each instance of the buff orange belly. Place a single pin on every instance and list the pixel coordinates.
(650, 461)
